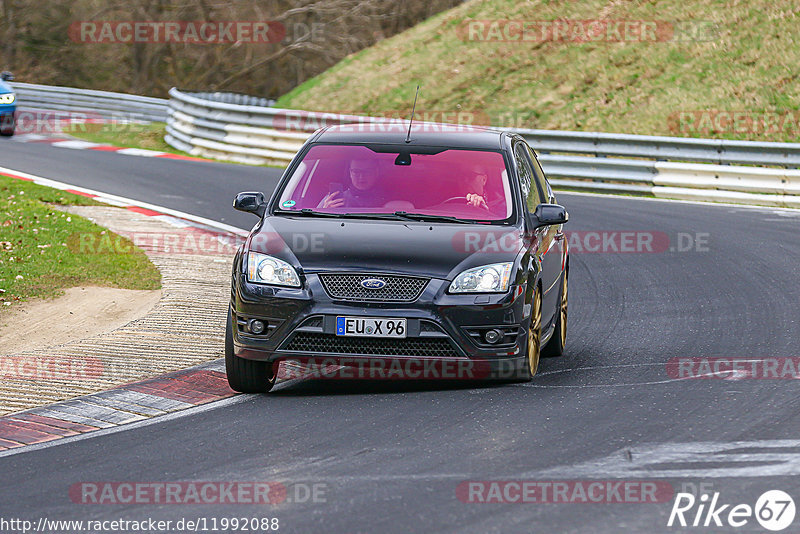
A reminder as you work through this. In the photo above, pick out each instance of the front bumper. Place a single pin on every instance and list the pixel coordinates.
(301, 326)
(7, 113)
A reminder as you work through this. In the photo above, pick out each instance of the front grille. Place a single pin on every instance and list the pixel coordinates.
(330, 344)
(429, 326)
(397, 288)
(313, 322)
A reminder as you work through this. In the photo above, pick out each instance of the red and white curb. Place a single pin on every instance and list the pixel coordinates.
(122, 405)
(170, 216)
(78, 144)
(131, 403)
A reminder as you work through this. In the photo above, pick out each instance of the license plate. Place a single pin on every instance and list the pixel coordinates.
(370, 327)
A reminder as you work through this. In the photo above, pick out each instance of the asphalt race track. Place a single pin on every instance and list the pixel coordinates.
(388, 457)
(200, 188)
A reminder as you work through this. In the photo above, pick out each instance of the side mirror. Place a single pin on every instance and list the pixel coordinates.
(251, 202)
(6, 76)
(549, 214)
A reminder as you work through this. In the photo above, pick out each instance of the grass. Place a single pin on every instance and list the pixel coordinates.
(149, 136)
(742, 60)
(40, 252)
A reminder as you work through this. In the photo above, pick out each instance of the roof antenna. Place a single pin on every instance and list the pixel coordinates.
(413, 109)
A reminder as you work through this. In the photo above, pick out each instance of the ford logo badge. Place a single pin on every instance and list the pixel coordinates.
(373, 283)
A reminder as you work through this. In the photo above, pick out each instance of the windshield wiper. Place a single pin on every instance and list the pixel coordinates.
(427, 217)
(403, 215)
(383, 216)
(409, 217)
(308, 212)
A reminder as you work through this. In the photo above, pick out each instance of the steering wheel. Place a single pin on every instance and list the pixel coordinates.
(453, 200)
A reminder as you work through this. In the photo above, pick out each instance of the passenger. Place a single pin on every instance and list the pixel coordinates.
(361, 192)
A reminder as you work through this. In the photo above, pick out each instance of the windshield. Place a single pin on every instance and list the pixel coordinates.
(339, 179)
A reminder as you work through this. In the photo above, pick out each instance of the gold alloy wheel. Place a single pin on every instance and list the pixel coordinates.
(563, 318)
(535, 333)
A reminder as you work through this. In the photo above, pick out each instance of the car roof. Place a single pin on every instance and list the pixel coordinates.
(422, 134)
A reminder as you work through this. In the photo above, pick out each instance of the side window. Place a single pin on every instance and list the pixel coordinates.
(527, 182)
(544, 185)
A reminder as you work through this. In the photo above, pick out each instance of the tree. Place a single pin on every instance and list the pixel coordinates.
(39, 41)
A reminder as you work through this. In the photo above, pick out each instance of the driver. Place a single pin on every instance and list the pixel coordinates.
(361, 193)
(475, 185)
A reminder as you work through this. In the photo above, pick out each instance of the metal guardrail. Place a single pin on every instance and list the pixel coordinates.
(247, 129)
(108, 105)
(236, 98)
(726, 183)
(249, 132)
(719, 151)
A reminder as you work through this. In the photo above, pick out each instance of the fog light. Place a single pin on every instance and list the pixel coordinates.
(492, 336)
(256, 327)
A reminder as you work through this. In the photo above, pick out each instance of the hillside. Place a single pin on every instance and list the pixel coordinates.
(693, 68)
(123, 45)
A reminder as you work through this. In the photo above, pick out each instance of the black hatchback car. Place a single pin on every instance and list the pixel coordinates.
(402, 255)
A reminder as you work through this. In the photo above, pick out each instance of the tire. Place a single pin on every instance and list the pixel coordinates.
(555, 347)
(245, 376)
(534, 344)
(7, 130)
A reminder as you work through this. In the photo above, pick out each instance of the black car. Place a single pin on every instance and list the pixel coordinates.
(403, 255)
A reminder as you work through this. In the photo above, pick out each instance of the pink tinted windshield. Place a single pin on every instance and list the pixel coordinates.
(468, 184)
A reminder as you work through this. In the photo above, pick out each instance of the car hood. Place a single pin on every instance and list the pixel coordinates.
(427, 249)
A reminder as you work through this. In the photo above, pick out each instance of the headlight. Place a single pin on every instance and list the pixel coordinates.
(487, 279)
(7, 98)
(263, 269)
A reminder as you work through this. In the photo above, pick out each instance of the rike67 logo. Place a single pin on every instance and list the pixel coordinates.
(774, 510)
